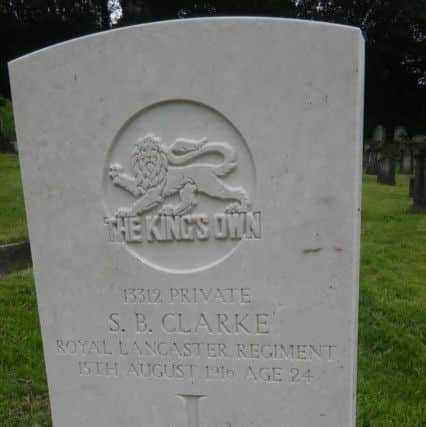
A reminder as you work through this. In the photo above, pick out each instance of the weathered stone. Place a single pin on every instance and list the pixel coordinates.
(419, 187)
(400, 134)
(386, 171)
(411, 186)
(372, 150)
(193, 195)
(406, 160)
(14, 256)
(389, 154)
(379, 134)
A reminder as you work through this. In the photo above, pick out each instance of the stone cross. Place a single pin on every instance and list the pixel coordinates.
(191, 402)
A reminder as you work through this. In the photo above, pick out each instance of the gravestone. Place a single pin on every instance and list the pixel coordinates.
(406, 161)
(386, 171)
(372, 151)
(400, 134)
(389, 153)
(195, 242)
(418, 184)
(411, 184)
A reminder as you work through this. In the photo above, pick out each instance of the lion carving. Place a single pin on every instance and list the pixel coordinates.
(160, 172)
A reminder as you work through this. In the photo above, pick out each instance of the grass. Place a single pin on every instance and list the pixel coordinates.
(6, 118)
(13, 225)
(23, 389)
(392, 330)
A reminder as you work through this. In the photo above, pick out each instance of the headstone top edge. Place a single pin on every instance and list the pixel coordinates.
(225, 19)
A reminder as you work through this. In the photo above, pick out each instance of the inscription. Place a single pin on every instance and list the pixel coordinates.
(212, 323)
(177, 199)
(190, 346)
(166, 228)
(196, 349)
(219, 323)
(287, 352)
(177, 371)
(187, 296)
(155, 370)
(159, 172)
(98, 369)
(278, 374)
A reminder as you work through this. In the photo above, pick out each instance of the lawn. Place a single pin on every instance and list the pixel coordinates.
(392, 330)
(13, 225)
(23, 389)
(6, 118)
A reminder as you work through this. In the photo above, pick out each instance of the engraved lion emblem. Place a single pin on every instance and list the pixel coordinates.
(159, 172)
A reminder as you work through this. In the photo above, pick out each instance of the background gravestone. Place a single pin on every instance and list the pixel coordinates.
(196, 259)
(372, 150)
(389, 153)
(418, 184)
(406, 164)
(387, 169)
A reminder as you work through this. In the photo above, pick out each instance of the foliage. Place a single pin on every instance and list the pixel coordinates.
(6, 119)
(26, 26)
(12, 217)
(392, 329)
(395, 33)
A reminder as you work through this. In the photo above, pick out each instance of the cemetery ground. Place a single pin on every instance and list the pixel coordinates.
(392, 329)
(6, 119)
(13, 226)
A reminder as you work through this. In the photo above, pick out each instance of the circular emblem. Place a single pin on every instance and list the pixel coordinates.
(179, 187)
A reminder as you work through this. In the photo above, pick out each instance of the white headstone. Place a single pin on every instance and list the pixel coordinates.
(193, 197)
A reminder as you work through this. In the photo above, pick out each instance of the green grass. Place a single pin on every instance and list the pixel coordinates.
(23, 389)
(6, 117)
(392, 330)
(13, 225)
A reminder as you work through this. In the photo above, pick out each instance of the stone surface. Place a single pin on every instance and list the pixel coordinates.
(418, 190)
(372, 156)
(372, 150)
(379, 134)
(193, 195)
(14, 256)
(400, 134)
(411, 184)
(406, 159)
(406, 164)
(386, 171)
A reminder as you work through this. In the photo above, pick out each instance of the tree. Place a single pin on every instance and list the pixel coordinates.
(26, 26)
(395, 33)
